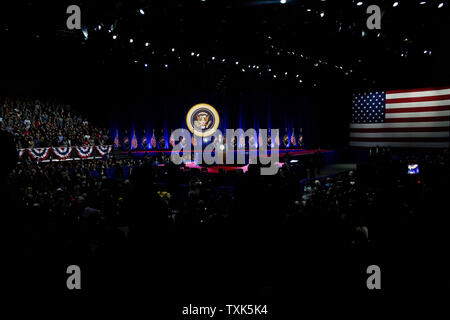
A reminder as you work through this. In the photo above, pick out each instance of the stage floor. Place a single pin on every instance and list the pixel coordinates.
(292, 153)
(282, 152)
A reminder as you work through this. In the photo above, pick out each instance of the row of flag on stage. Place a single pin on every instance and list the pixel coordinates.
(418, 118)
(153, 144)
(286, 141)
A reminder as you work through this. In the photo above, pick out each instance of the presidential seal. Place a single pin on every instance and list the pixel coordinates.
(202, 120)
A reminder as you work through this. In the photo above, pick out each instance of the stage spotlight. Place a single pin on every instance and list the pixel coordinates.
(173, 49)
(423, 2)
(114, 37)
(294, 161)
(213, 58)
(147, 44)
(131, 40)
(166, 65)
(198, 55)
(282, 1)
(395, 4)
(322, 14)
(146, 65)
(440, 5)
(141, 11)
(192, 54)
(237, 62)
(359, 3)
(85, 33)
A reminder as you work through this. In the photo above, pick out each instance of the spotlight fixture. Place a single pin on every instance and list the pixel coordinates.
(147, 44)
(141, 11)
(282, 1)
(440, 5)
(114, 37)
(359, 3)
(131, 40)
(85, 33)
(395, 4)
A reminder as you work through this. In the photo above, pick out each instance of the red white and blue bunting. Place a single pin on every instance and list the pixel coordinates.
(103, 150)
(39, 153)
(62, 152)
(84, 152)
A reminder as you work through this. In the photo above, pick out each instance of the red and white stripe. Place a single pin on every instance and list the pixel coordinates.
(414, 118)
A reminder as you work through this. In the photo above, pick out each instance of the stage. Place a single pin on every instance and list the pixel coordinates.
(291, 155)
(282, 152)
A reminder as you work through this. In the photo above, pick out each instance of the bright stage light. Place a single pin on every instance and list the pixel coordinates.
(114, 37)
(141, 11)
(131, 40)
(85, 33)
(282, 1)
(147, 44)
(440, 5)
(395, 4)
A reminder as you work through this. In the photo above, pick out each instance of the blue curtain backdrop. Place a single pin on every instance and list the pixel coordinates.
(240, 110)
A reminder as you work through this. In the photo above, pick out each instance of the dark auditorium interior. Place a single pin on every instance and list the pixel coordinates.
(355, 97)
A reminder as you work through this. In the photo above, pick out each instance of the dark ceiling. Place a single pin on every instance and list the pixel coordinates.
(216, 45)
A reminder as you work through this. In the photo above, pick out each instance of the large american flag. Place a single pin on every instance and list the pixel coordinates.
(403, 118)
